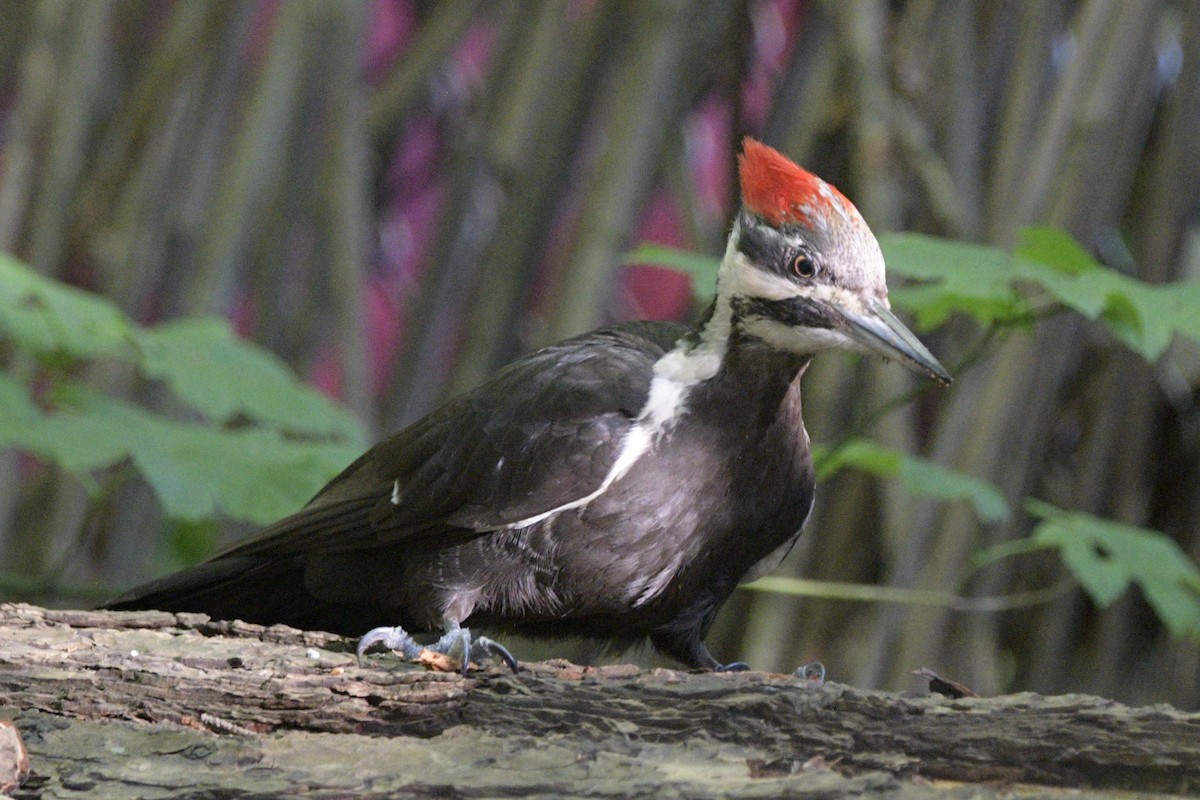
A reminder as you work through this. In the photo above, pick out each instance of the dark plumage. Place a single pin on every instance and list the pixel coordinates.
(619, 484)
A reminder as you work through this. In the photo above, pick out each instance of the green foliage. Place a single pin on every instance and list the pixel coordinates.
(918, 475)
(48, 318)
(222, 376)
(1106, 557)
(190, 541)
(260, 444)
(1142, 316)
(252, 473)
(953, 276)
(1048, 269)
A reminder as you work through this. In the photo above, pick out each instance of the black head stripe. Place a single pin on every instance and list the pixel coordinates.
(773, 249)
(761, 245)
(799, 312)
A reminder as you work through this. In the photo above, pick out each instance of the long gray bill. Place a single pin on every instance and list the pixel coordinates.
(879, 330)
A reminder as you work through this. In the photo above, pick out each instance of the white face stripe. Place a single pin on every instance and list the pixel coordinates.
(830, 295)
(738, 277)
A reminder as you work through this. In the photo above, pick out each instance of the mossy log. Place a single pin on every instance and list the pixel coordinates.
(174, 705)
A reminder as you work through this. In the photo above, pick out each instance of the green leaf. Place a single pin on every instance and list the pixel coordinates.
(47, 317)
(702, 268)
(1177, 311)
(256, 472)
(952, 276)
(206, 365)
(77, 444)
(1107, 556)
(1055, 248)
(932, 480)
(197, 471)
(1142, 316)
(919, 476)
(19, 417)
(860, 453)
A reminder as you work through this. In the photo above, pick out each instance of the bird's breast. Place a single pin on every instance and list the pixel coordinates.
(700, 508)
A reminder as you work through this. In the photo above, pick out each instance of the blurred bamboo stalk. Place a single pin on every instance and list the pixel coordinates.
(189, 35)
(84, 57)
(347, 206)
(649, 87)
(34, 98)
(255, 161)
(77, 94)
(1020, 429)
(807, 91)
(465, 225)
(409, 79)
(531, 155)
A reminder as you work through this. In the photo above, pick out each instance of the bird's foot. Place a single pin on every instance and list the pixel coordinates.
(814, 673)
(396, 638)
(733, 666)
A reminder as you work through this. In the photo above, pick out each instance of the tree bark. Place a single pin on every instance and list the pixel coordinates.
(154, 704)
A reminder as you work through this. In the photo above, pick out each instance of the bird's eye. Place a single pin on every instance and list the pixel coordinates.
(803, 266)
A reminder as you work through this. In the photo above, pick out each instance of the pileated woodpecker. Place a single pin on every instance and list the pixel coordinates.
(618, 485)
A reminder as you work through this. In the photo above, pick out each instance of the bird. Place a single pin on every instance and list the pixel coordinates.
(618, 485)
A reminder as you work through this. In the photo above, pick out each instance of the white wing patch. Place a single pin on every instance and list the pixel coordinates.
(637, 442)
(674, 376)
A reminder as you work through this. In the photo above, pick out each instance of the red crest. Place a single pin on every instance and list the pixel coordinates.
(779, 191)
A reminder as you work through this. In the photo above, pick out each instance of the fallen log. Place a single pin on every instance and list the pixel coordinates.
(152, 704)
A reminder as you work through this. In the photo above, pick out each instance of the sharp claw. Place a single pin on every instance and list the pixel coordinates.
(392, 638)
(498, 650)
(735, 666)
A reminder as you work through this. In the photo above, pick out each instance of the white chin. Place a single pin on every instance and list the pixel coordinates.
(804, 341)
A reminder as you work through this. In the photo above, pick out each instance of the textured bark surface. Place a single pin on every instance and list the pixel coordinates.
(160, 705)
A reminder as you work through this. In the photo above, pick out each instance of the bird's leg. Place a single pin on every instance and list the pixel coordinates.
(688, 647)
(456, 635)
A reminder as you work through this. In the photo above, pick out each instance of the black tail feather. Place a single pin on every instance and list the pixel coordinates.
(265, 591)
(262, 580)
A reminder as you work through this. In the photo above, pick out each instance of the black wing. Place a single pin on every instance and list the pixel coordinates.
(541, 433)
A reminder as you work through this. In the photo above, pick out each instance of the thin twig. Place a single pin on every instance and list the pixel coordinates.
(931, 598)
